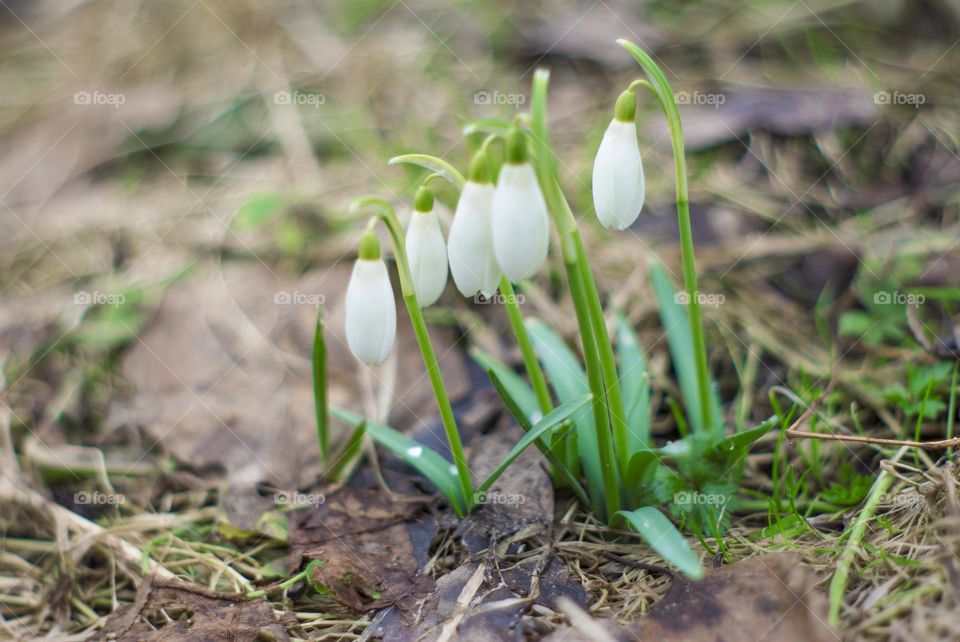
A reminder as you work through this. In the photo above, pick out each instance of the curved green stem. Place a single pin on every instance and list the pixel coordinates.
(386, 214)
(668, 104)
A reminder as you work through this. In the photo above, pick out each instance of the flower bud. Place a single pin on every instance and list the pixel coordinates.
(472, 261)
(426, 250)
(618, 183)
(371, 314)
(521, 226)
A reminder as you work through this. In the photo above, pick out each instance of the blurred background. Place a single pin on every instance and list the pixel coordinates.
(175, 176)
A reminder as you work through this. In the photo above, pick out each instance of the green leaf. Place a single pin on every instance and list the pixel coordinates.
(663, 537)
(676, 324)
(319, 370)
(569, 382)
(634, 384)
(735, 447)
(435, 165)
(554, 418)
(520, 391)
(428, 462)
(349, 453)
(498, 126)
(569, 476)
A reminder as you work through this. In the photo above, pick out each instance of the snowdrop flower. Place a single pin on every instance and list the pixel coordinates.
(521, 228)
(426, 250)
(371, 314)
(618, 186)
(472, 261)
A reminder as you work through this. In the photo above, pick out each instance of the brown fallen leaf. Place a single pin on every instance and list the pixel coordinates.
(771, 598)
(173, 611)
(372, 545)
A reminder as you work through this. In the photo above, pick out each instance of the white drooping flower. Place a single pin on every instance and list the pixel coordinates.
(618, 184)
(426, 250)
(521, 226)
(472, 262)
(371, 313)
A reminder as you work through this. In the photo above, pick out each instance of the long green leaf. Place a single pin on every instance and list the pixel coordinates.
(554, 418)
(635, 385)
(569, 382)
(427, 462)
(499, 126)
(569, 476)
(676, 323)
(663, 537)
(349, 453)
(319, 368)
(435, 165)
(520, 390)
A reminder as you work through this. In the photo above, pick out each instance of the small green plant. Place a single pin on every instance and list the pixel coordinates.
(591, 421)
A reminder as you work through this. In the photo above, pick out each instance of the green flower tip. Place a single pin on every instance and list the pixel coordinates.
(480, 168)
(369, 249)
(517, 147)
(423, 201)
(626, 109)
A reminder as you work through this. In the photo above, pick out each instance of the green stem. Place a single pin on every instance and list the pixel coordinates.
(597, 350)
(287, 583)
(534, 372)
(668, 104)
(839, 582)
(389, 218)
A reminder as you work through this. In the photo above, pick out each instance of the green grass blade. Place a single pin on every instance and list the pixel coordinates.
(569, 383)
(427, 462)
(676, 324)
(554, 418)
(349, 453)
(663, 537)
(319, 363)
(520, 391)
(435, 165)
(635, 385)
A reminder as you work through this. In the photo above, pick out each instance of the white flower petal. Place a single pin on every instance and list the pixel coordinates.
(521, 227)
(618, 183)
(371, 313)
(427, 254)
(472, 261)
